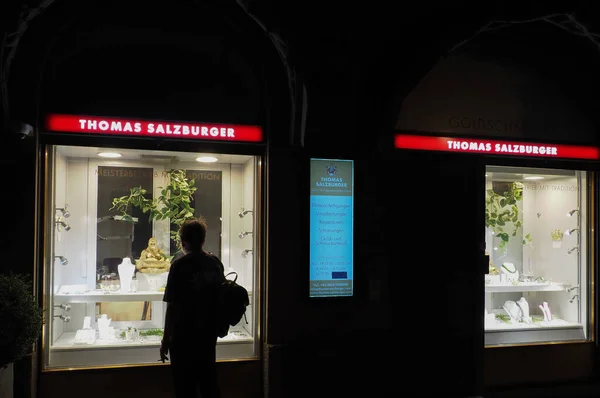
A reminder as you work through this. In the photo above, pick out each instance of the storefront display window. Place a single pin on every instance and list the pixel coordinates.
(111, 231)
(537, 287)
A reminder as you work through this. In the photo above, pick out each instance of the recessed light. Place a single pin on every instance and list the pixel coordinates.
(206, 159)
(486, 175)
(533, 178)
(109, 155)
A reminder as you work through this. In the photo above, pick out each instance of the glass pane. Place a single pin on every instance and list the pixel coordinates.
(536, 238)
(112, 237)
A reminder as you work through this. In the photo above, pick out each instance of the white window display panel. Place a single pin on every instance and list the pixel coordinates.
(536, 237)
(74, 286)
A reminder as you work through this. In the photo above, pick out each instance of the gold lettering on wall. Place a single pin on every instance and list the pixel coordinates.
(122, 173)
(484, 124)
(200, 175)
(551, 187)
(118, 172)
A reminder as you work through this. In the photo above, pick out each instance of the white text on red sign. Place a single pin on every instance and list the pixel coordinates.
(157, 128)
(475, 146)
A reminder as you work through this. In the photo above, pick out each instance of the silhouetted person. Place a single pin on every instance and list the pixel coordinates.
(190, 334)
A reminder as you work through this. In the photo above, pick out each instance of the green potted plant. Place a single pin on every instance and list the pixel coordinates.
(21, 319)
(502, 210)
(173, 203)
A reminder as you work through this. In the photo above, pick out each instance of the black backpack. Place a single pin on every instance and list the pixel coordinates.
(232, 301)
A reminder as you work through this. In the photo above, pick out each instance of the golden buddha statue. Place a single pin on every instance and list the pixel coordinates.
(152, 259)
(492, 270)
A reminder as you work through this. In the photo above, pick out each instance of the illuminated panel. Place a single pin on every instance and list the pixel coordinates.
(94, 125)
(495, 147)
(331, 227)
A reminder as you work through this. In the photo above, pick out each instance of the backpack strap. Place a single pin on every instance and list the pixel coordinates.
(232, 273)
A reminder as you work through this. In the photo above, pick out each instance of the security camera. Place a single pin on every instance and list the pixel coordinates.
(23, 130)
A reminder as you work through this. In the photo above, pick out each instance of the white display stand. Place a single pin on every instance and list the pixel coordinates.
(237, 345)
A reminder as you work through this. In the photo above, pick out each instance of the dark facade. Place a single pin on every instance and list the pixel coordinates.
(351, 76)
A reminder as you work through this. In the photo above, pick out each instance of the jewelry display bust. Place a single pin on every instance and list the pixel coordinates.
(511, 272)
(126, 270)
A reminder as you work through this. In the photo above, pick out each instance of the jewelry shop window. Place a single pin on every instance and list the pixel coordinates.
(537, 239)
(110, 238)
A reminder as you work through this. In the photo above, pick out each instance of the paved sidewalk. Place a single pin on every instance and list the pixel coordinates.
(572, 390)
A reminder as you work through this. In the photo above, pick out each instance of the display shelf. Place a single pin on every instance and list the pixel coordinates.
(524, 287)
(554, 324)
(100, 296)
(94, 296)
(509, 334)
(65, 342)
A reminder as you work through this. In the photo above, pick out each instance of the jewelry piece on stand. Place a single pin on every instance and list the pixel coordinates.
(524, 305)
(510, 272)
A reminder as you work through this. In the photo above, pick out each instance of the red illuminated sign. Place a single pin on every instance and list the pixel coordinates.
(495, 147)
(156, 129)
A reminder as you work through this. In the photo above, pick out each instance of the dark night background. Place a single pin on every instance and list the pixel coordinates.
(323, 77)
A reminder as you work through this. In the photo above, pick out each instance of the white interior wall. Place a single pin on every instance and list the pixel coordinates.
(248, 192)
(248, 264)
(554, 199)
(236, 245)
(75, 240)
(60, 200)
(513, 253)
(583, 236)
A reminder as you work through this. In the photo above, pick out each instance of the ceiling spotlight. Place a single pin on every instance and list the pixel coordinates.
(244, 212)
(570, 214)
(63, 260)
(111, 155)
(242, 235)
(206, 159)
(64, 211)
(61, 224)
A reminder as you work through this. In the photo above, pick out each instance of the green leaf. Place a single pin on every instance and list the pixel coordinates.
(503, 236)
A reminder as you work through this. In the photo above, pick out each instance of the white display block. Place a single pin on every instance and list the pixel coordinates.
(236, 345)
(524, 287)
(96, 296)
(532, 334)
(100, 296)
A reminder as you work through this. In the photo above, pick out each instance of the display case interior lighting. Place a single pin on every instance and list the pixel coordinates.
(206, 159)
(571, 231)
(533, 178)
(111, 155)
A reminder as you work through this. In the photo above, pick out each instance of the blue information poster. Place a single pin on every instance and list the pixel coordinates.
(331, 227)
